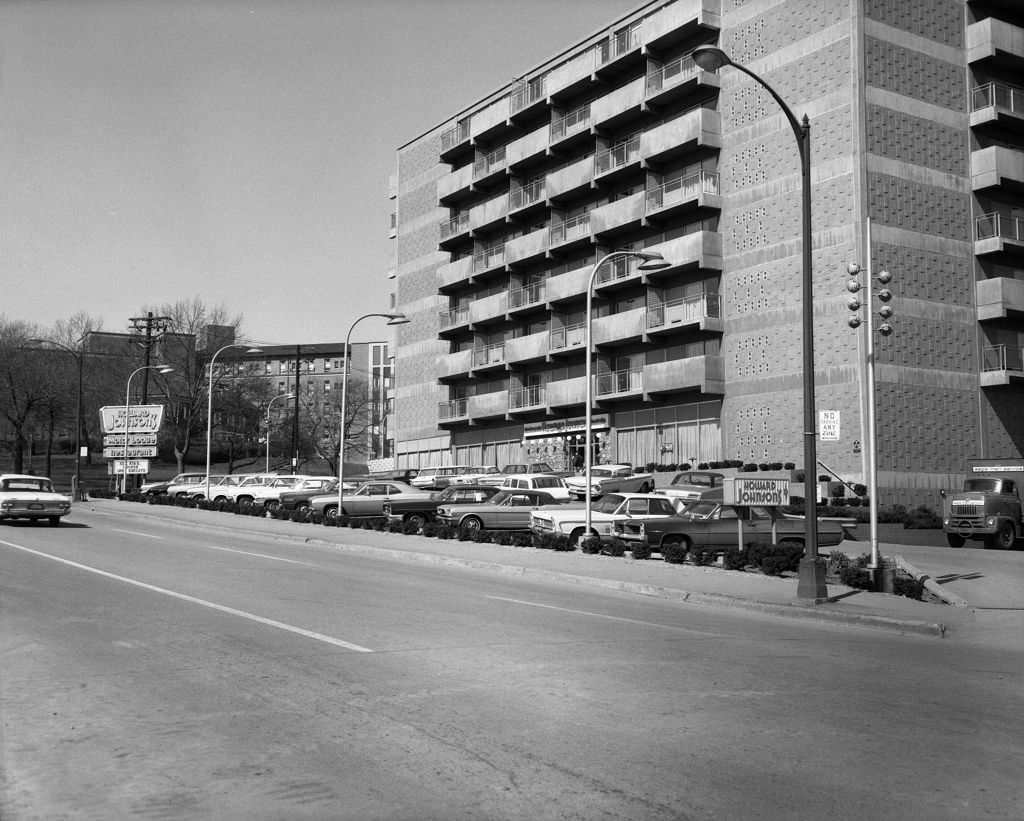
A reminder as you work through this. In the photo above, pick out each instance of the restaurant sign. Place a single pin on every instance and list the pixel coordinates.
(760, 492)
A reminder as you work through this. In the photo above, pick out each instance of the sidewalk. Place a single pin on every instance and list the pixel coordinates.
(682, 583)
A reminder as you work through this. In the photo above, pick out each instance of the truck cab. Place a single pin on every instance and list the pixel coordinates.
(988, 509)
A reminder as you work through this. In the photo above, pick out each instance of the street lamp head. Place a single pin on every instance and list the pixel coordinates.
(397, 319)
(165, 369)
(652, 261)
(710, 58)
(254, 350)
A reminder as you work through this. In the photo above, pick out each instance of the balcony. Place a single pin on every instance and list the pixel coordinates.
(997, 167)
(996, 233)
(454, 274)
(568, 286)
(618, 51)
(454, 230)
(618, 329)
(572, 76)
(529, 148)
(1000, 103)
(455, 140)
(522, 197)
(488, 406)
(489, 309)
(694, 191)
(527, 98)
(568, 338)
(618, 272)
(488, 358)
(455, 186)
(700, 374)
(1001, 365)
(620, 216)
(454, 365)
(617, 157)
(677, 78)
(702, 312)
(527, 247)
(490, 166)
(573, 231)
(490, 121)
(677, 22)
(525, 298)
(571, 179)
(624, 384)
(701, 250)
(620, 105)
(996, 40)
(489, 259)
(682, 135)
(574, 123)
(529, 348)
(454, 320)
(455, 411)
(526, 399)
(486, 214)
(566, 393)
(999, 298)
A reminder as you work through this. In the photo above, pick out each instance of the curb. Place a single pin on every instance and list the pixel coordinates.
(931, 585)
(812, 611)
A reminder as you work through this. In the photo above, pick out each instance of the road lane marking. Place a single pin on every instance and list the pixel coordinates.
(598, 615)
(258, 555)
(137, 533)
(290, 628)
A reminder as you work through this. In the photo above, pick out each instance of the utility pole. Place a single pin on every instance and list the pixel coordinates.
(154, 327)
(295, 414)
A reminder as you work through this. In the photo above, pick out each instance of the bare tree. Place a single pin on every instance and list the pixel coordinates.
(23, 384)
(322, 412)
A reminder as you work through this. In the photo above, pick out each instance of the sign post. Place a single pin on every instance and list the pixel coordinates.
(769, 493)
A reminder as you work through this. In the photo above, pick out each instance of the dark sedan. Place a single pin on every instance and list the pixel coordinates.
(299, 499)
(717, 525)
(508, 509)
(420, 511)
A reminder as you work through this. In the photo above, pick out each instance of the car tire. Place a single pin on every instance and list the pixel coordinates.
(471, 524)
(331, 512)
(243, 500)
(954, 540)
(675, 539)
(1005, 537)
(302, 506)
(417, 519)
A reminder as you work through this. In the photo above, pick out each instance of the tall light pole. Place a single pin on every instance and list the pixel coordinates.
(811, 582)
(79, 355)
(393, 319)
(127, 415)
(649, 261)
(209, 404)
(271, 402)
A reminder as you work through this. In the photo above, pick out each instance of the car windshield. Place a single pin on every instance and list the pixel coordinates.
(28, 483)
(547, 481)
(700, 510)
(600, 472)
(694, 479)
(607, 504)
(982, 485)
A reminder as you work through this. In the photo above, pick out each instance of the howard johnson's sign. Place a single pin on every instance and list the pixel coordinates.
(760, 492)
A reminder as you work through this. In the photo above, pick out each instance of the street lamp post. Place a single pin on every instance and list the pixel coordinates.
(394, 318)
(127, 416)
(811, 583)
(271, 402)
(209, 404)
(649, 261)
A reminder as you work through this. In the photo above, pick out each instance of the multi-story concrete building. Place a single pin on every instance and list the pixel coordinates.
(622, 142)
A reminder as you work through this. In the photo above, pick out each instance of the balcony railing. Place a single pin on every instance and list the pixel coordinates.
(456, 225)
(491, 162)
(572, 228)
(617, 268)
(527, 94)
(527, 194)
(630, 380)
(530, 396)
(682, 189)
(572, 122)
(618, 44)
(454, 317)
(489, 355)
(686, 310)
(527, 295)
(569, 336)
(999, 225)
(1002, 358)
(489, 258)
(998, 95)
(618, 155)
(455, 135)
(671, 74)
(456, 409)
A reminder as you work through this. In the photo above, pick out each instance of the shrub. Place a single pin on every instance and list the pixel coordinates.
(483, 537)
(856, 577)
(836, 562)
(316, 517)
(396, 526)
(776, 559)
(616, 547)
(763, 466)
(641, 551)
(503, 537)
(736, 559)
(522, 538)
(703, 556)
(921, 518)
(702, 466)
(749, 467)
(907, 586)
(790, 466)
(551, 541)
(673, 553)
(860, 490)
(775, 466)
(409, 527)
(590, 545)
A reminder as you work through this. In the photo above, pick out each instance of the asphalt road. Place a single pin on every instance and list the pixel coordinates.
(157, 671)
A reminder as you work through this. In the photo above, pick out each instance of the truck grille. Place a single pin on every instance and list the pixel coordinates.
(966, 510)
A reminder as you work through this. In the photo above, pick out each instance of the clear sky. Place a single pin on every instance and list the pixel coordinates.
(159, 150)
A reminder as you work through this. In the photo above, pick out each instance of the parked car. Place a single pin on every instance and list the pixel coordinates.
(297, 498)
(32, 498)
(695, 485)
(421, 511)
(241, 491)
(269, 494)
(368, 500)
(508, 509)
(571, 520)
(159, 487)
(713, 524)
(479, 474)
(528, 467)
(193, 484)
(436, 478)
(611, 479)
(554, 485)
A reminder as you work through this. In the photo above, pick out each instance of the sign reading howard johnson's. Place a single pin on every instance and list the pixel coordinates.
(760, 492)
(140, 418)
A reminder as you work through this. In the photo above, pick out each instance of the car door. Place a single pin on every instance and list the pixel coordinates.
(514, 514)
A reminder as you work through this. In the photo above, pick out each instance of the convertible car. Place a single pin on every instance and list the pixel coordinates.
(713, 524)
(508, 509)
(611, 479)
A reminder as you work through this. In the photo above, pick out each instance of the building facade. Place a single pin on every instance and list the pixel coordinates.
(622, 142)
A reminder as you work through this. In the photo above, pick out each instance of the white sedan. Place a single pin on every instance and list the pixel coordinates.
(611, 479)
(32, 498)
(571, 520)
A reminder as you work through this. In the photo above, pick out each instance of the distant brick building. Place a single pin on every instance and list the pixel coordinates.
(621, 141)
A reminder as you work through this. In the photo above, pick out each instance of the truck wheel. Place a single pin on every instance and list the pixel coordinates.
(954, 540)
(1004, 537)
